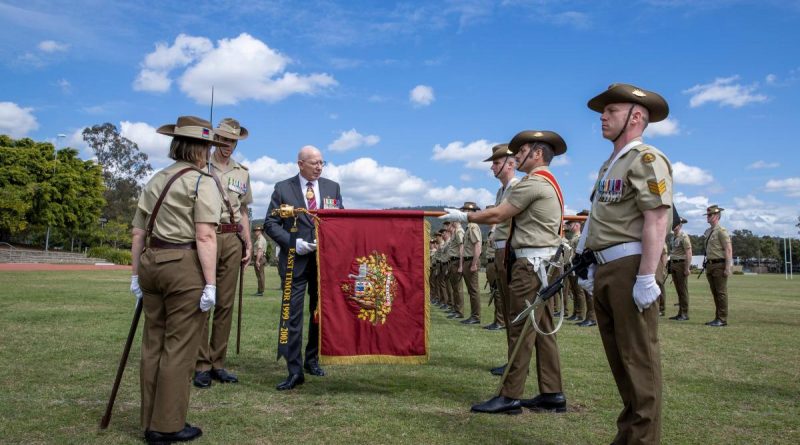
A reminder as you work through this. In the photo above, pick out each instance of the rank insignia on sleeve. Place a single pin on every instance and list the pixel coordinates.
(648, 158)
(657, 187)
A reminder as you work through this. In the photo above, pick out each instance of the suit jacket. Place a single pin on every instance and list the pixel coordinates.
(289, 192)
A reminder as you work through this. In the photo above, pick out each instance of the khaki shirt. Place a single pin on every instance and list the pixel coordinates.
(488, 248)
(680, 244)
(473, 237)
(441, 252)
(454, 247)
(501, 229)
(716, 240)
(573, 244)
(539, 222)
(235, 180)
(260, 243)
(640, 180)
(192, 198)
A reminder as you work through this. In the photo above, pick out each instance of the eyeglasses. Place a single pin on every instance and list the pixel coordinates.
(315, 163)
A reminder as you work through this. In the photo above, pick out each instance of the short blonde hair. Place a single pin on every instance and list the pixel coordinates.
(189, 150)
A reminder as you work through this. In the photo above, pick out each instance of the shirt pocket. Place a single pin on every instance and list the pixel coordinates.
(165, 256)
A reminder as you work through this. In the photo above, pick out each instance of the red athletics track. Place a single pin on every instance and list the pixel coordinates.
(44, 266)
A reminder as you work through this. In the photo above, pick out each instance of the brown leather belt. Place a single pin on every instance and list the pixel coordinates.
(678, 261)
(156, 243)
(229, 228)
(715, 261)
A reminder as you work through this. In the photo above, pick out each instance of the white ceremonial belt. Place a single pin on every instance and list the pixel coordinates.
(535, 252)
(500, 244)
(614, 253)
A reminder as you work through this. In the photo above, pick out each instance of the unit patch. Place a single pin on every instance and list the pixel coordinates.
(657, 187)
(648, 158)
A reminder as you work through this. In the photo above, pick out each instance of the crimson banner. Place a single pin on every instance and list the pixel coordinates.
(373, 286)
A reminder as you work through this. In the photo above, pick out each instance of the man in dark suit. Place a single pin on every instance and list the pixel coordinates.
(306, 190)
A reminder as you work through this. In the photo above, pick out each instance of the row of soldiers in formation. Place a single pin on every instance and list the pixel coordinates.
(452, 248)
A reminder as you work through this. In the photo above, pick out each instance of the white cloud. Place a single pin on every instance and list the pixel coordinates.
(365, 185)
(351, 139)
(472, 154)
(771, 79)
(51, 46)
(763, 164)
(572, 18)
(724, 91)
(421, 96)
(747, 212)
(65, 86)
(155, 145)
(465, 177)
(240, 68)
(560, 161)
(16, 121)
(667, 127)
(690, 175)
(790, 186)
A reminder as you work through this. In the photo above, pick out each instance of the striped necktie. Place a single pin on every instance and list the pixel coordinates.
(310, 197)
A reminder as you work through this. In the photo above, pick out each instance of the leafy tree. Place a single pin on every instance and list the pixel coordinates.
(124, 166)
(40, 188)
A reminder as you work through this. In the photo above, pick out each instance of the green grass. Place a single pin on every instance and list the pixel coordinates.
(61, 335)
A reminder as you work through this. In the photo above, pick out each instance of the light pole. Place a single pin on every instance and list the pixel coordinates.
(55, 160)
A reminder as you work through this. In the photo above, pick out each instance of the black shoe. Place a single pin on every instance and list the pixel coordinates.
(258, 294)
(587, 323)
(493, 327)
(498, 370)
(556, 313)
(223, 376)
(718, 323)
(290, 382)
(579, 320)
(471, 320)
(661, 313)
(202, 379)
(679, 317)
(553, 402)
(186, 434)
(455, 315)
(497, 405)
(573, 317)
(314, 369)
(709, 323)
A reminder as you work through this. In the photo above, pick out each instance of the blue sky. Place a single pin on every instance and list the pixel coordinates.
(405, 99)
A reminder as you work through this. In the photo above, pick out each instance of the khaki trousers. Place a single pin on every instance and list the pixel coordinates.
(578, 296)
(456, 293)
(630, 339)
(502, 287)
(213, 350)
(492, 279)
(172, 283)
(680, 279)
(444, 284)
(715, 273)
(433, 289)
(661, 278)
(260, 274)
(524, 285)
(471, 280)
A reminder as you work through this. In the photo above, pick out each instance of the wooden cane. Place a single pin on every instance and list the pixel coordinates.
(239, 316)
(122, 363)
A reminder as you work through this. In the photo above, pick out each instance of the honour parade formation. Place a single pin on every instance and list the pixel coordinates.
(467, 222)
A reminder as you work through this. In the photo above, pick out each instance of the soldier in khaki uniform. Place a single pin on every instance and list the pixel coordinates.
(492, 280)
(626, 230)
(719, 261)
(578, 297)
(455, 250)
(432, 272)
(680, 257)
(260, 259)
(233, 235)
(173, 253)
(469, 262)
(444, 269)
(535, 204)
(504, 167)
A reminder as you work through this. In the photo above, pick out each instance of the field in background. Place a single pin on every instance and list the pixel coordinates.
(61, 335)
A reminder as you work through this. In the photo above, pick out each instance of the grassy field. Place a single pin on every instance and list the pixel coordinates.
(61, 335)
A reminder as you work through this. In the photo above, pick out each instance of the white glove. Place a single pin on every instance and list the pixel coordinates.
(588, 283)
(645, 291)
(209, 297)
(303, 247)
(454, 215)
(135, 289)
